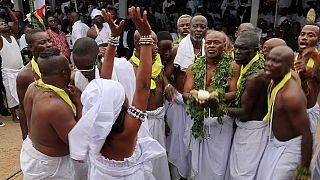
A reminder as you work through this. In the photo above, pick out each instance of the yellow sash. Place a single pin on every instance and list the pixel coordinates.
(57, 90)
(272, 93)
(156, 68)
(245, 69)
(35, 67)
(310, 63)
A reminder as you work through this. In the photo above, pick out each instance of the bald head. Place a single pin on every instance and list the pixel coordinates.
(198, 18)
(284, 53)
(85, 46)
(270, 44)
(250, 38)
(198, 28)
(245, 27)
(215, 44)
(73, 17)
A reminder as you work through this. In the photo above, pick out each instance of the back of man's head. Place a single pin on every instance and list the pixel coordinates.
(31, 36)
(250, 38)
(245, 27)
(85, 46)
(52, 62)
(164, 35)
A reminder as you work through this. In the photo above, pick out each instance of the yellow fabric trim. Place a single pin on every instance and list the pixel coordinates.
(272, 93)
(245, 69)
(156, 68)
(57, 90)
(35, 67)
(310, 63)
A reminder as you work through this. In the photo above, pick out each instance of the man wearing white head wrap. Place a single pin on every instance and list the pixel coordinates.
(100, 31)
(108, 130)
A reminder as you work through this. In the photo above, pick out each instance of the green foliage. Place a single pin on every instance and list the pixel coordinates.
(258, 64)
(219, 83)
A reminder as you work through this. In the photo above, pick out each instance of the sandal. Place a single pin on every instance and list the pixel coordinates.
(2, 124)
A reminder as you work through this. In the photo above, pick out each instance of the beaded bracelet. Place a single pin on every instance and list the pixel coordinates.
(114, 41)
(137, 113)
(146, 40)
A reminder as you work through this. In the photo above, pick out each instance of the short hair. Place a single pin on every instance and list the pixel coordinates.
(31, 35)
(164, 35)
(29, 26)
(49, 52)
(251, 37)
(51, 15)
(85, 46)
(199, 16)
(183, 17)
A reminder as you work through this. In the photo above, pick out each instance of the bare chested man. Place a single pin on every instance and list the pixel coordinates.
(45, 151)
(307, 65)
(155, 109)
(190, 48)
(250, 138)
(290, 140)
(270, 44)
(37, 41)
(210, 152)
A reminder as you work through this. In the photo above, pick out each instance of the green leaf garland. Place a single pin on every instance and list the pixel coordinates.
(258, 64)
(219, 83)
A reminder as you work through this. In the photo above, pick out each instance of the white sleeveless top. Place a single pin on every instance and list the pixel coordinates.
(10, 54)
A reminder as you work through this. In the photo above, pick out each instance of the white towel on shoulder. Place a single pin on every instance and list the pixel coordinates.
(185, 53)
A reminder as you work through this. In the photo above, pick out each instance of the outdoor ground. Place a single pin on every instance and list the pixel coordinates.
(10, 144)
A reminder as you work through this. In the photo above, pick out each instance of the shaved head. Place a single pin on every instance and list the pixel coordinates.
(270, 44)
(52, 62)
(198, 17)
(245, 27)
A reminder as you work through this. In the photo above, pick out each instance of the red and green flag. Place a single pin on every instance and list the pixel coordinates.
(38, 18)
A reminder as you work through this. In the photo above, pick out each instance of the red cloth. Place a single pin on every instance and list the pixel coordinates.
(59, 41)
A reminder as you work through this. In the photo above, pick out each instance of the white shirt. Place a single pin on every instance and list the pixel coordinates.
(79, 30)
(10, 54)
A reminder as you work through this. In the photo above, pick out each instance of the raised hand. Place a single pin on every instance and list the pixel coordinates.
(141, 23)
(115, 29)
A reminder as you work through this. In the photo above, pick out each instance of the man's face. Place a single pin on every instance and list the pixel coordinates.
(243, 53)
(184, 27)
(275, 65)
(198, 29)
(266, 48)
(215, 44)
(4, 27)
(309, 37)
(98, 19)
(155, 46)
(86, 65)
(41, 42)
(164, 49)
(113, 14)
(53, 23)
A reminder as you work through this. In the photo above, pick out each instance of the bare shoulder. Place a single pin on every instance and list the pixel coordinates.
(174, 52)
(292, 96)
(257, 77)
(25, 77)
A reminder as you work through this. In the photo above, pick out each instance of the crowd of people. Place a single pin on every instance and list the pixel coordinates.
(122, 100)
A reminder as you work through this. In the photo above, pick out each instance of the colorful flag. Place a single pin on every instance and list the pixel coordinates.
(38, 18)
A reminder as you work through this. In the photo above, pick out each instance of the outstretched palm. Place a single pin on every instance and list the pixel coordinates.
(141, 23)
(115, 29)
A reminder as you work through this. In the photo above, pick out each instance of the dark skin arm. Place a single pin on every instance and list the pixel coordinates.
(75, 94)
(301, 65)
(15, 25)
(247, 102)
(107, 66)
(168, 71)
(230, 95)
(295, 105)
(23, 82)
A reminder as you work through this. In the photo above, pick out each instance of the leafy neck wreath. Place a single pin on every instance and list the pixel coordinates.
(219, 82)
(256, 63)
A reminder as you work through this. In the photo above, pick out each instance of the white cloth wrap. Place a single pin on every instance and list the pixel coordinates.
(9, 77)
(157, 130)
(185, 53)
(180, 130)
(314, 114)
(132, 168)
(81, 82)
(36, 165)
(210, 156)
(280, 159)
(102, 101)
(123, 72)
(249, 143)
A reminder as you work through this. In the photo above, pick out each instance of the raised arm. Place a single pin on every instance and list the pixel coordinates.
(113, 41)
(143, 74)
(15, 25)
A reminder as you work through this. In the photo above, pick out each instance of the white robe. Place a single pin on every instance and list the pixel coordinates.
(210, 156)
(81, 82)
(177, 143)
(314, 114)
(157, 130)
(36, 165)
(132, 168)
(9, 77)
(249, 143)
(280, 159)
